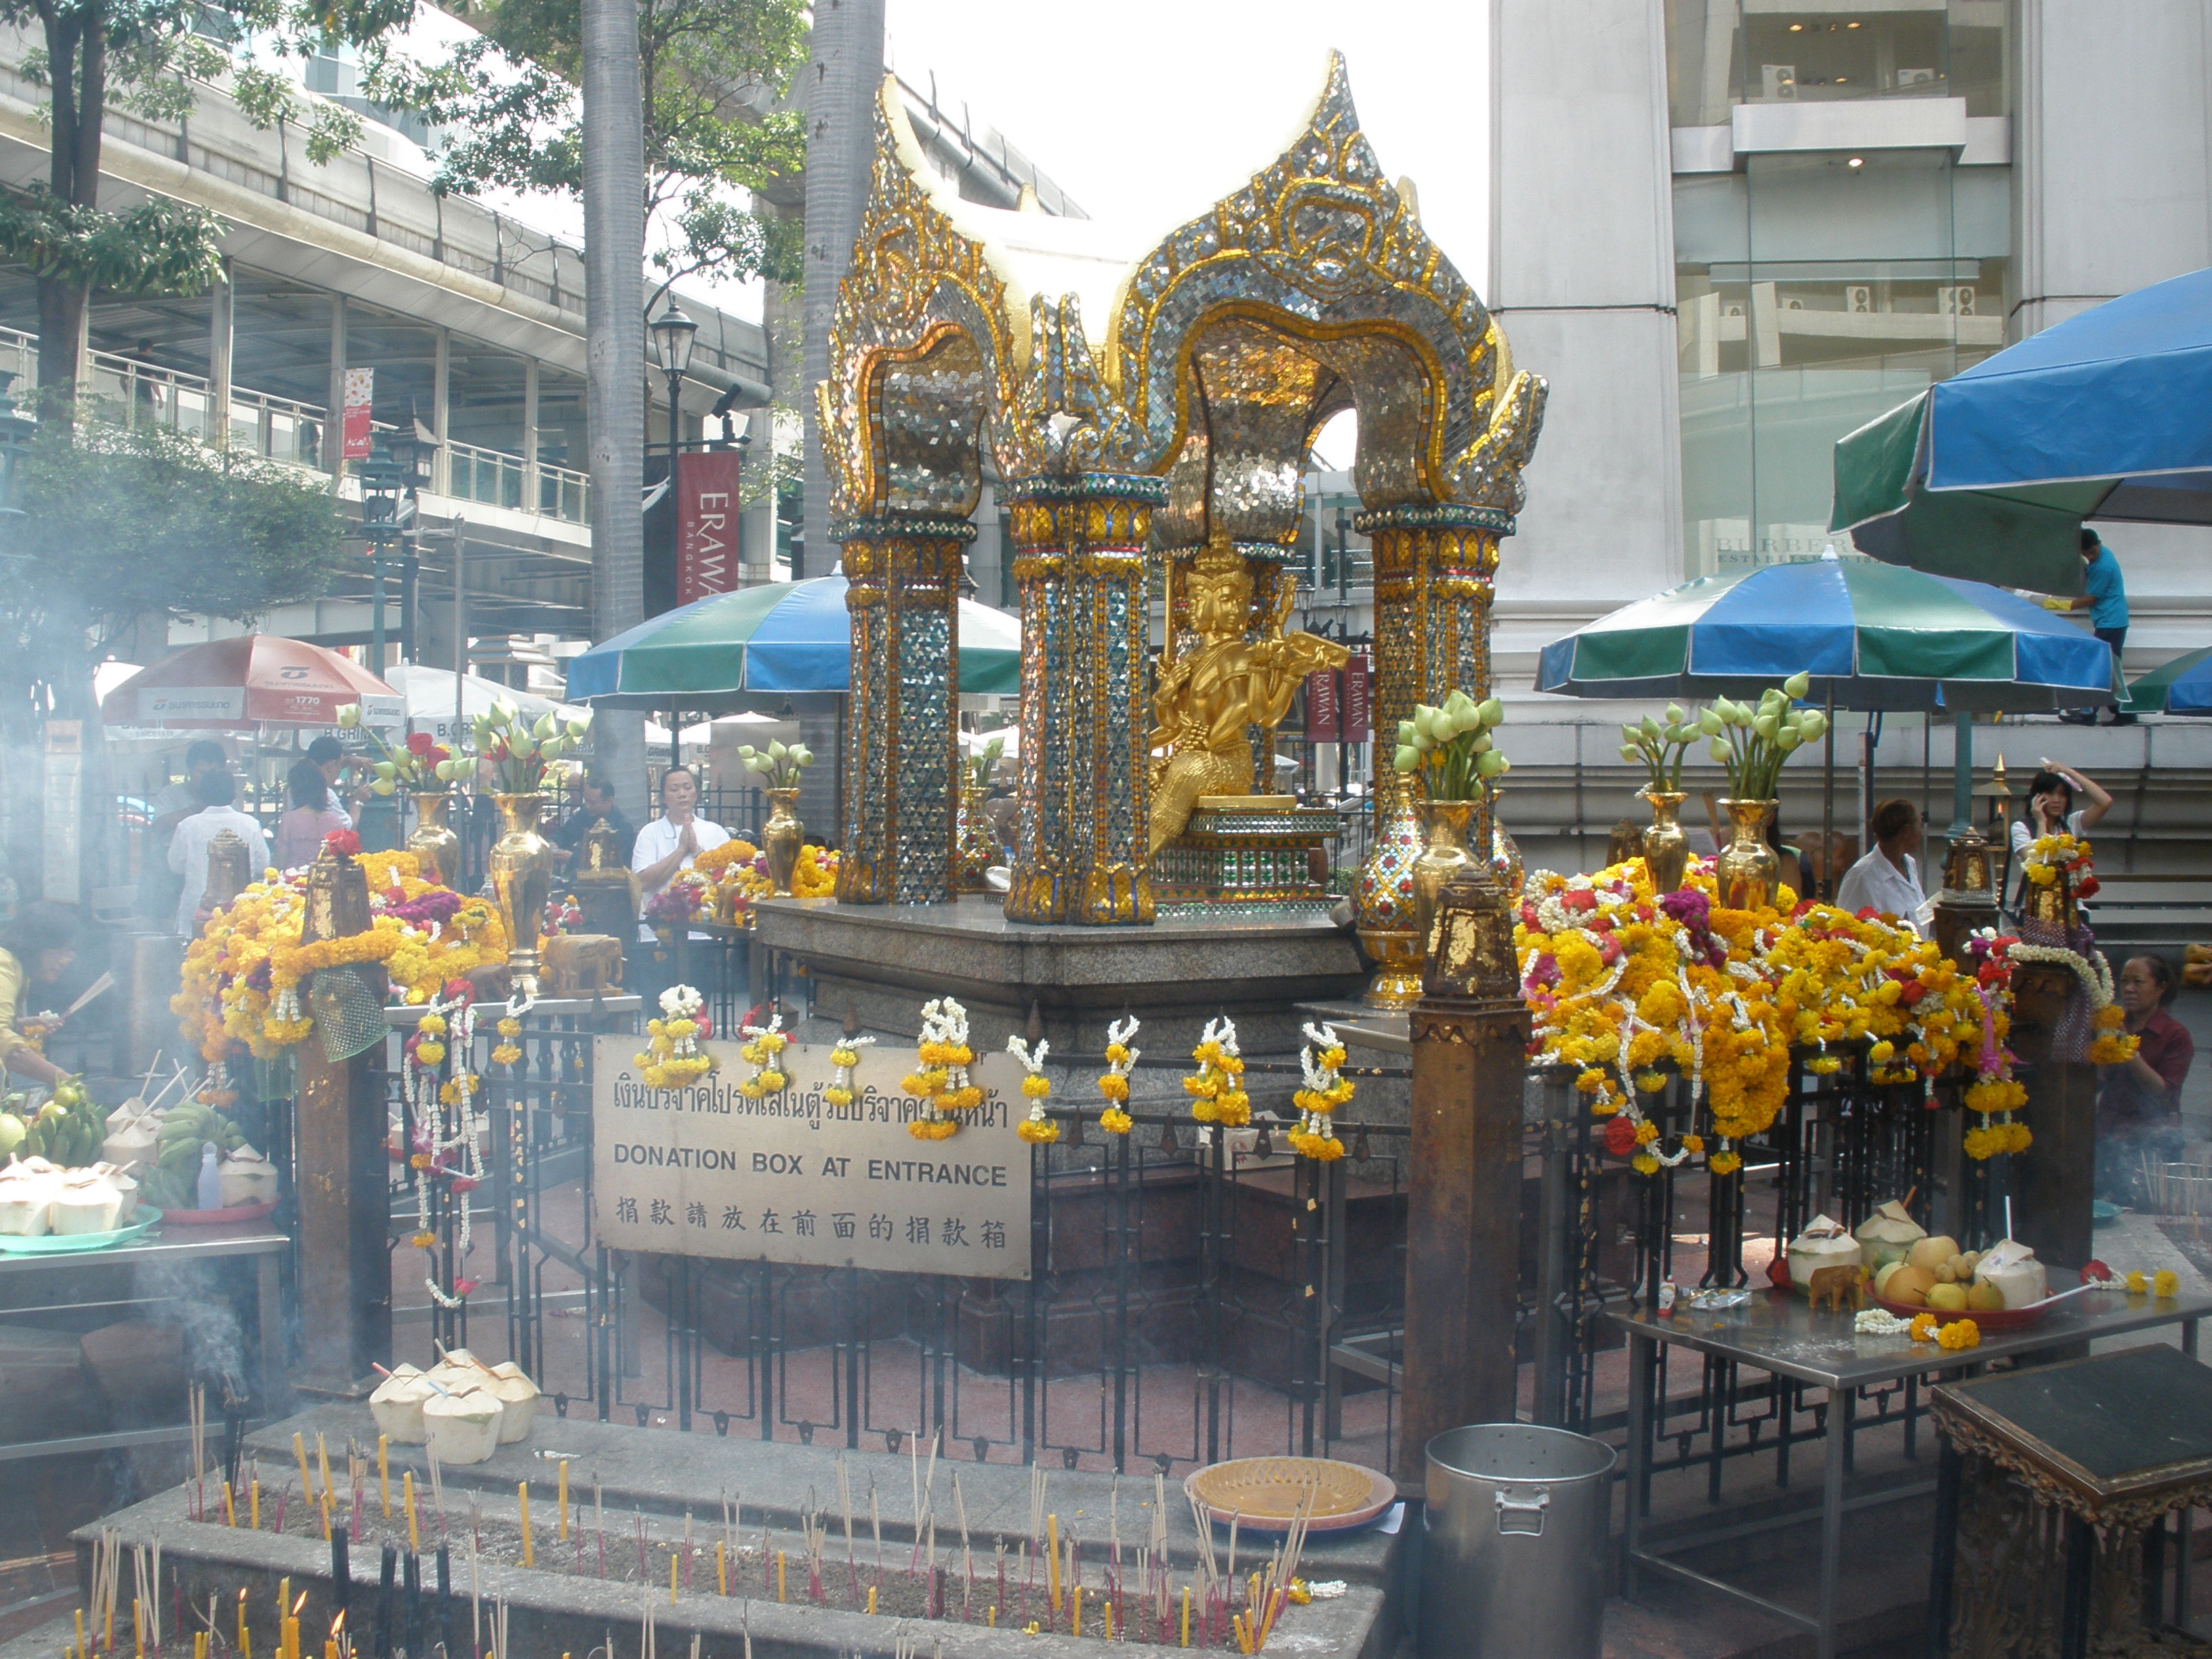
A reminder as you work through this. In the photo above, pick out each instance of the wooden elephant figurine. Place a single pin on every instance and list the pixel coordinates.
(1834, 1284)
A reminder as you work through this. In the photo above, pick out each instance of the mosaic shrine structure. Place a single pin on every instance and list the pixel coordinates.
(1168, 437)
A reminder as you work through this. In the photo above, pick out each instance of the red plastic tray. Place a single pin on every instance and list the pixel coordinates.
(1987, 1319)
(219, 1218)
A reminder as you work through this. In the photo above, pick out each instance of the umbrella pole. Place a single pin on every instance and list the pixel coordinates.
(1962, 773)
(1828, 804)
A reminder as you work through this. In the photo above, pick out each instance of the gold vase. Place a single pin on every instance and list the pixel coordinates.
(1505, 866)
(1748, 870)
(1665, 843)
(781, 839)
(1449, 826)
(1384, 897)
(2053, 906)
(522, 881)
(975, 849)
(435, 845)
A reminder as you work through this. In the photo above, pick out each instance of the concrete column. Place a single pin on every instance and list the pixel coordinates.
(1578, 115)
(901, 751)
(844, 71)
(1470, 1030)
(759, 520)
(222, 309)
(334, 426)
(441, 386)
(529, 497)
(1080, 835)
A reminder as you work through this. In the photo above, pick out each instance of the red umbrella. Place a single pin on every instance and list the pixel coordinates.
(254, 680)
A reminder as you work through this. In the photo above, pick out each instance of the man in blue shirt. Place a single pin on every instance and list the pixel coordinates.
(2106, 601)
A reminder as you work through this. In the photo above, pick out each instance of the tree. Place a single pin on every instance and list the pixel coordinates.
(711, 72)
(146, 56)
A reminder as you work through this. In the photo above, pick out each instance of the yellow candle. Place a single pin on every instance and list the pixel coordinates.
(564, 1501)
(778, 1575)
(1075, 1624)
(721, 1565)
(1052, 1557)
(384, 1471)
(107, 1641)
(871, 1600)
(139, 1625)
(291, 1638)
(254, 1514)
(306, 1480)
(1109, 1606)
(522, 1498)
(330, 1647)
(993, 1618)
(229, 1509)
(414, 1537)
(326, 1507)
(322, 1458)
(245, 1640)
(672, 1578)
(199, 1645)
(79, 1627)
(1186, 1615)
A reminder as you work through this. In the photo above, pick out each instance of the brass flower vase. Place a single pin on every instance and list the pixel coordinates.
(1449, 826)
(975, 849)
(435, 845)
(2053, 907)
(1505, 863)
(1665, 843)
(1748, 870)
(1384, 896)
(781, 839)
(522, 881)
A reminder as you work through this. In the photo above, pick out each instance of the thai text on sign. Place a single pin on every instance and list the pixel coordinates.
(705, 1171)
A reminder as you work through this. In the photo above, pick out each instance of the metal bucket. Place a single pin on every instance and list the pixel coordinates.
(1514, 1543)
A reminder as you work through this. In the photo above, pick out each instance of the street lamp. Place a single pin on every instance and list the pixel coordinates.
(390, 478)
(673, 336)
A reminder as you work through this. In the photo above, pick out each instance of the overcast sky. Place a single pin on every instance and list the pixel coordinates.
(1149, 110)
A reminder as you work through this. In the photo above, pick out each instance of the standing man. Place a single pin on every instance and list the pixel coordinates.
(666, 846)
(176, 801)
(598, 803)
(188, 852)
(328, 754)
(2106, 601)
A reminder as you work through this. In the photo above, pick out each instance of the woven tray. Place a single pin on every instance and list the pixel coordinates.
(1262, 1494)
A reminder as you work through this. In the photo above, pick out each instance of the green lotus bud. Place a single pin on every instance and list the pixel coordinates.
(775, 750)
(1630, 753)
(802, 755)
(1798, 684)
(1650, 728)
(1709, 722)
(1407, 759)
(1405, 732)
(1721, 752)
(382, 787)
(1493, 712)
(386, 769)
(1480, 743)
(1459, 705)
(577, 728)
(1766, 724)
(1489, 763)
(348, 716)
(745, 751)
(524, 746)
(1788, 739)
(544, 727)
(551, 749)
(1674, 714)
(1813, 724)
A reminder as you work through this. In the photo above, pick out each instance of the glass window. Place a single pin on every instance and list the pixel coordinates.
(1721, 52)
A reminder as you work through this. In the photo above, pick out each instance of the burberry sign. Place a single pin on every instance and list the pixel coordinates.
(705, 1171)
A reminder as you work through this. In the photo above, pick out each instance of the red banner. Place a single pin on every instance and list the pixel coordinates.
(1359, 676)
(706, 509)
(360, 401)
(1321, 708)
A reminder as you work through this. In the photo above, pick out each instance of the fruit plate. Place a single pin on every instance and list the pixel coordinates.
(73, 1243)
(1987, 1319)
(1261, 1494)
(221, 1218)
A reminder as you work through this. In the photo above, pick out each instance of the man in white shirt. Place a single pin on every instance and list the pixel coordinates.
(1888, 880)
(188, 852)
(666, 846)
(157, 886)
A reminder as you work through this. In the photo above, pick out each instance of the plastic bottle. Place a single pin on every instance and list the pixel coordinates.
(210, 1188)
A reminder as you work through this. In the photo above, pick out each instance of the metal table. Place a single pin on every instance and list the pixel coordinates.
(1779, 1333)
(41, 1283)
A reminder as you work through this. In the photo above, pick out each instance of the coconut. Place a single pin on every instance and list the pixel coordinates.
(86, 1201)
(2012, 1267)
(1824, 1243)
(518, 1401)
(26, 1198)
(246, 1177)
(137, 1141)
(1887, 1235)
(462, 1428)
(127, 1186)
(397, 1404)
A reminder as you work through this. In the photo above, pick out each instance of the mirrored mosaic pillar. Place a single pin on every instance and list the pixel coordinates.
(1079, 564)
(1433, 566)
(901, 759)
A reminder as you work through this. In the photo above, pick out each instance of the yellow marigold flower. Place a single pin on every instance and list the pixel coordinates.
(1959, 1333)
(1114, 1121)
(1644, 1164)
(1036, 1085)
(2138, 1285)
(1646, 1133)
(1923, 1328)
(2165, 1282)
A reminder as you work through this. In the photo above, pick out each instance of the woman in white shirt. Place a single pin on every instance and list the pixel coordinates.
(1888, 880)
(666, 847)
(2051, 809)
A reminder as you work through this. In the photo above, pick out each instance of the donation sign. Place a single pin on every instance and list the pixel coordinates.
(704, 1171)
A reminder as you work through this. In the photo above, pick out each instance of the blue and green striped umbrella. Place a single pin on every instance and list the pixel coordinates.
(1872, 636)
(781, 637)
(2182, 686)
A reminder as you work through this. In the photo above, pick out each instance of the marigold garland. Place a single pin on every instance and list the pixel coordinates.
(762, 1051)
(1217, 1088)
(939, 1079)
(1035, 1128)
(846, 1057)
(1113, 1082)
(446, 1122)
(1326, 1089)
(675, 1060)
